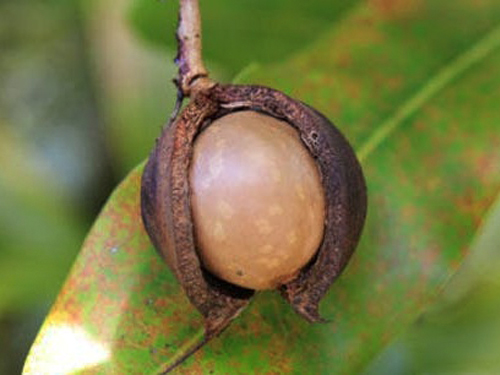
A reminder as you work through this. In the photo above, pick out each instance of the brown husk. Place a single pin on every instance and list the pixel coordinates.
(165, 201)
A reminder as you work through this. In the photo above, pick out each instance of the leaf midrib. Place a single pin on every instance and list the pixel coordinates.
(447, 74)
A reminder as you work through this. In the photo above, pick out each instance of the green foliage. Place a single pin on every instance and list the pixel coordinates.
(42, 102)
(43, 210)
(51, 163)
(237, 33)
(460, 334)
(417, 96)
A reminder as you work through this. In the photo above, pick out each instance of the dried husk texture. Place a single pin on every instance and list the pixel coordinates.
(165, 201)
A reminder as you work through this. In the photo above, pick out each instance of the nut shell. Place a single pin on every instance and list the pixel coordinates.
(257, 200)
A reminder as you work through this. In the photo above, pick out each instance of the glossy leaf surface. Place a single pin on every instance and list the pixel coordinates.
(415, 86)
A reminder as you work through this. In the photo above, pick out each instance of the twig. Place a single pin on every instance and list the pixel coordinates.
(192, 76)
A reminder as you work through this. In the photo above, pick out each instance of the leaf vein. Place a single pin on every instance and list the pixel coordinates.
(479, 51)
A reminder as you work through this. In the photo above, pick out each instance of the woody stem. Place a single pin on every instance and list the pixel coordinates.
(192, 75)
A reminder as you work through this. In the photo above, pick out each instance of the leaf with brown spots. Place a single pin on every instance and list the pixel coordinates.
(415, 86)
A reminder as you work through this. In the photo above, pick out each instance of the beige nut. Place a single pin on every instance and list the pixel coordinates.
(257, 200)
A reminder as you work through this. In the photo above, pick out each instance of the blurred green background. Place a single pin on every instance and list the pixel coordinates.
(85, 87)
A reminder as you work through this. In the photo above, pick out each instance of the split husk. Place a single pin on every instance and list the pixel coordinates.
(168, 219)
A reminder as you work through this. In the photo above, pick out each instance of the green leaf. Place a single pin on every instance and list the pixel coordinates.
(239, 32)
(465, 321)
(414, 86)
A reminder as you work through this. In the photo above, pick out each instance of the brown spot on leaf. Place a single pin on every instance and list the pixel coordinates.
(399, 9)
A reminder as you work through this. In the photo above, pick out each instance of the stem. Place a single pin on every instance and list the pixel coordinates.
(184, 352)
(191, 79)
(192, 76)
